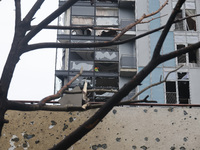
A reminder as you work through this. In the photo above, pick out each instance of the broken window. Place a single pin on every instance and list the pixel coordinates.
(106, 33)
(80, 82)
(178, 91)
(106, 55)
(189, 24)
(87, 32)
(183, 76)
(106, 67)
(102, 96)
(77, 65)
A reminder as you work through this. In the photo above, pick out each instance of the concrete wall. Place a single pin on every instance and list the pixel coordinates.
(154, 128)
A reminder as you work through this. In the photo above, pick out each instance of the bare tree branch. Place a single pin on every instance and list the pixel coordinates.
(155, 84)
(138, 21)
(179, 52)
(142, 22)
(61, 91)
(104, 27)
(116, 98)
(17, 12)
(79, 27)
(166, 29)
(13, 105)
(92, 90)
(48, 20)
(34, 9)
(95, 44)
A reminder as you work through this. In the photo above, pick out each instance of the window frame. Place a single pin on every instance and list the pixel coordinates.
(186, 6)
(187, 57)
(173, 77)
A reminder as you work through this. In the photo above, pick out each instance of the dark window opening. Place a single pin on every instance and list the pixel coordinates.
(113, 1)
(181, 58)
(183, 76)
(179, 25)
(106, 67)
(108, 33)
(110, 48)
(87, 32)
(191, 22)
(82, 55)
(170, 92)
(184, 94)
(192, 56)
(106, 82)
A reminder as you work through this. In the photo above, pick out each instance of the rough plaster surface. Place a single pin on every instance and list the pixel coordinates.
(133, 128)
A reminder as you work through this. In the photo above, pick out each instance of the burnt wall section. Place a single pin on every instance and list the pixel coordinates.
(123, 128)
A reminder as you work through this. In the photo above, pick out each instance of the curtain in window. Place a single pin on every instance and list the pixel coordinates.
(191, 22)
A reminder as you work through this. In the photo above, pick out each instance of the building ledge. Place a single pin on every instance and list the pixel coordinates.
(127, 72)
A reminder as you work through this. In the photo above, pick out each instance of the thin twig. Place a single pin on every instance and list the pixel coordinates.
(155, 84)
(128, 27)
(152, 19)
(61, 91)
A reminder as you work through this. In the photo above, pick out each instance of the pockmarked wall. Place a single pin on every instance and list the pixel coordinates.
(132, 128)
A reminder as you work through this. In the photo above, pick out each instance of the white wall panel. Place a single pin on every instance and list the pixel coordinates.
(143, 51)
(140, 9)
(194, 85)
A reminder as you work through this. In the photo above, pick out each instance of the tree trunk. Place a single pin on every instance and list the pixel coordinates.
(3, 109)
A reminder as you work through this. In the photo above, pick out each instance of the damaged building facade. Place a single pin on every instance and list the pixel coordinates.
(111, 67)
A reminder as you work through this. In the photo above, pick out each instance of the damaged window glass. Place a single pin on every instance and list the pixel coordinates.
(87, 32)
(106, 55)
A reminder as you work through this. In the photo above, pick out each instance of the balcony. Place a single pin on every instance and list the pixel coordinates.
(128, 66)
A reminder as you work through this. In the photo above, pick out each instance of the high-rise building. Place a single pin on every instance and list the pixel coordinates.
(112, 66)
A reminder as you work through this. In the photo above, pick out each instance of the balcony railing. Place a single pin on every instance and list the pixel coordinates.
(128, 65)
(128, 62)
